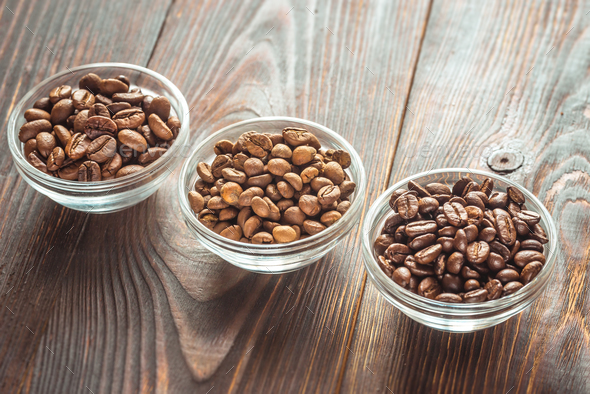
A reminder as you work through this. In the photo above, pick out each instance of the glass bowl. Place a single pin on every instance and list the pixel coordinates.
(275, 258)
(114, 194)
(447, 316)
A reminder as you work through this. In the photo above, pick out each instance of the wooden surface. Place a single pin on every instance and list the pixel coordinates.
(132, 302)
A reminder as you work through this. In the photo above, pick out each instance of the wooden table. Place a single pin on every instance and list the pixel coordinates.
(132, 302)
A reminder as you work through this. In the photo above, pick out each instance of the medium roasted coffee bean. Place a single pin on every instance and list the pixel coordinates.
(196, 201)
(474, 215)
(132, 139)
(296, 137)
(223, 147)
(36, 114)
(90, 82)
(55, 159)
(429, 288)
(151, 155)
(110, 167)
(328, 195)
(470, 187)
(102, 148)
(89, 171)
(99, 125)
(99, 109)
(128, 170)
(101, 99)
(230, 192)
(529, 217)
(36, 161)
(132, 98)
(539, 234)
(160, 128)
(31, 129)
(284, 234)
(82, 99)
(60, 92)
(232, 232)
(262, 238)
(478, 295)
(313, 227)
(30, 147)
(45, 143)
(61, 111)
(427, 205)
(110, 86)
(394, 196)
(285, 189)
(131, 119)
(77, 146)
(117, 107)
(334, 172)
(310, 205)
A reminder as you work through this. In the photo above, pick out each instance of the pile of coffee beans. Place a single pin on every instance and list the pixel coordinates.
(101, 131)
(465, 244)
(272, 188)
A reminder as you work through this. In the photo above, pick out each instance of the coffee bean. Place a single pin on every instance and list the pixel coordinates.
(421, 227)
(455, 214)
(455, 262)
(515, 195)
(132, 98)
(129, 119)
(407, 206)
(151, 155)
(60, 92)
(459, 186)
(116, 107)
(504, 227)
(427, 205)
(313, 227)
(128, 170)
(89, 171)
(31, 129)
(452, 283)
(477, 252)
(55, 159)
(478, 295)
(530, 271)
(511, 287)
(496, 262)
(296, 137)
(449, 297)
(61, 111)
(330, 217)
(262, 238)
(525, 257)
(507, 275)
(334, 172)
(110, 86)
(132, 139)
(36, 161)
(438, 188)
(230, 192)
(284, 234)
(428, 254)
(429, 288)
(422, 241)
(422, 192)
(45, 143)
(531, 244)
(401, 276)
(77, 146)
(100, 125)
(309, 174)
(471, 284)
(460, 241)
(397, 252)
(30, 147)
(102, 148)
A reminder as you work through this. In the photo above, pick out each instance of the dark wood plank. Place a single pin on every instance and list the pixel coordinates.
(39, 240)
(144, 306)
(475, 72)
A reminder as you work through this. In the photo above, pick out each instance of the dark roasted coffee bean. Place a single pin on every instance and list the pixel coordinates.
(110, 167)
(381, 243)
(470, 187)
(394, 196)
(429, 288)
(511, 287)
(427, 205)
(460, 241)
(90, 82)
(498, 200)
(447, 243)
(30, 147)
(437, 188)
(422, 192)
(478, 295)
(36, 114)
(530, 271)
(452, 283)
(471, 233)
(494, 288)
(495, 262)
(487, 186)
(422, 241)
(459, 200)
(440, 265)
(507, 275)
(487, 234)
(89, 171)
(504, 227)
(477, 252)
(459, 186)
(397, 253)
(407, 206)
(539, 234)
(421, 227)
(447, 231)
(55, 159)
(117, 107)
(449, 297)
(455, 262)
(101, 99)
(400, 235)
(525, 257)
(36, 161)
(402, 276)
(531, 244)
(471, 284)
(515, 195)
(468, 273)
(428, 254)
(455, 214)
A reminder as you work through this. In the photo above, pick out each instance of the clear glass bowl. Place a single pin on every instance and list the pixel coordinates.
(447, 316)
(275, 258)
(114, 194)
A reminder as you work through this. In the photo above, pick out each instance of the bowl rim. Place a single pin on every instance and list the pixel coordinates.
(457, 309)
(110, 184)
(278, 248)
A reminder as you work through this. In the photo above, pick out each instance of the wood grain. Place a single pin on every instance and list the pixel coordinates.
(144, 306)
(39, 240)
(476, 90)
